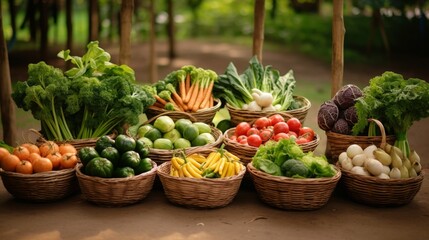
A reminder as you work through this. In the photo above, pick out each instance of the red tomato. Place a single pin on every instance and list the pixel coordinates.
(294, 124)
(262, 122)
(281, 135)
(276, 118)
(307, 133)
(233, 138)
(254, 140)
(301, 140)
(241, 137)
(292, 133)
(252, 131)
(242, 128)
(266, 134)
(244, 142)
(281, 127)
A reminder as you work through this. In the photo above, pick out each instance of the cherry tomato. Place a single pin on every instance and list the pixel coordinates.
(252, 131)
(266, 135)
(262, 122)
(276, 118)
(254, 140)
(281, 135)
(301, 140)
(294, 124)
(281, 127)
(242, 128)
(307, 133)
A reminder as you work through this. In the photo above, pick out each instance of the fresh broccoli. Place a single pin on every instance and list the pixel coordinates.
(294, 168)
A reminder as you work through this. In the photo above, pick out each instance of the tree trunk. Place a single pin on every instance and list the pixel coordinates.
(93, 20)
(127, 9)
(69, 24)
(12, 10)
(44, 28)
(377, 22)
(152, 44)
(258, 28)
(338, 31)
(7, 105)
(171, 31)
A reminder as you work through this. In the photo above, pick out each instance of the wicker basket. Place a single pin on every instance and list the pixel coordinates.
(374, 191)
(240, 115)
(41, 187)
(246, 153)
(293, 193)
(203, 115)
(338, 143)
(202, 192)
(160, 155)
(116, 192)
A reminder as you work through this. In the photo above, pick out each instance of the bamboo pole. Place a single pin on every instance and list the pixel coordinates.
(7, 105)
(338, 31)
(258, 28)
(127, 8)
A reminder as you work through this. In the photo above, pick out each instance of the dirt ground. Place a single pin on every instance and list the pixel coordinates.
(246, 217)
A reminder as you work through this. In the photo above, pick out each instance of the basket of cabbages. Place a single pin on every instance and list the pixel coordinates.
(337, 117)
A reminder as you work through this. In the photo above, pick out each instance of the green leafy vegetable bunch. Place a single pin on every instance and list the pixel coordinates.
(286, 158)
(236, 89)
(396, 102)
(86, 101)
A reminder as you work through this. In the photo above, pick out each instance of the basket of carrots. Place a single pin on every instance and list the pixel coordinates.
(188, 89)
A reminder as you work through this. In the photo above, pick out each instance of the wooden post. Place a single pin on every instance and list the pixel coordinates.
(127, 8)
(171, 31)
(7, 105)
(258, 28)
(338, 31)
(152, 44)
(44, 28)
(69, 24)
(93, 20)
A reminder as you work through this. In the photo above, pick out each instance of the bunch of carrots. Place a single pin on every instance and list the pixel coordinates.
(187, 89)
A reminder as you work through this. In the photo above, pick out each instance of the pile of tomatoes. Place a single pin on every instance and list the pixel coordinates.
(29, 158)
(274, 127)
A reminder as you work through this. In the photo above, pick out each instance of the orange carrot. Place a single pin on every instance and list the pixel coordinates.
(187, 82)
(211, 101)
(160, 100)
(200, 96)
(207, 94)
(179, 102)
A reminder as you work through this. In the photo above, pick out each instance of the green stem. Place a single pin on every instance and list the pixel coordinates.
(402, 143)
(372, 130)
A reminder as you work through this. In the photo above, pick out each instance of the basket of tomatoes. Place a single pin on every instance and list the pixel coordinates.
(245, 139)
(41, 173)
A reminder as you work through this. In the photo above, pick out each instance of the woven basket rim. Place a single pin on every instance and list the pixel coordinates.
(81, 175)
(37, 175)
(166, 165)
(303, 181)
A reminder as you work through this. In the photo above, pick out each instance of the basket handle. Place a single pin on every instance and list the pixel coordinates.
(185, 114)
(382, 130)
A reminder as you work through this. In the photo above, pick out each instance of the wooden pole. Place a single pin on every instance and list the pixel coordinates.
(127, 8)
(93, 20)
(258, 28)
(171, 31)
(69, 24)
(338, 31)
(7, 105)
(44, 28)
(152, 44)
